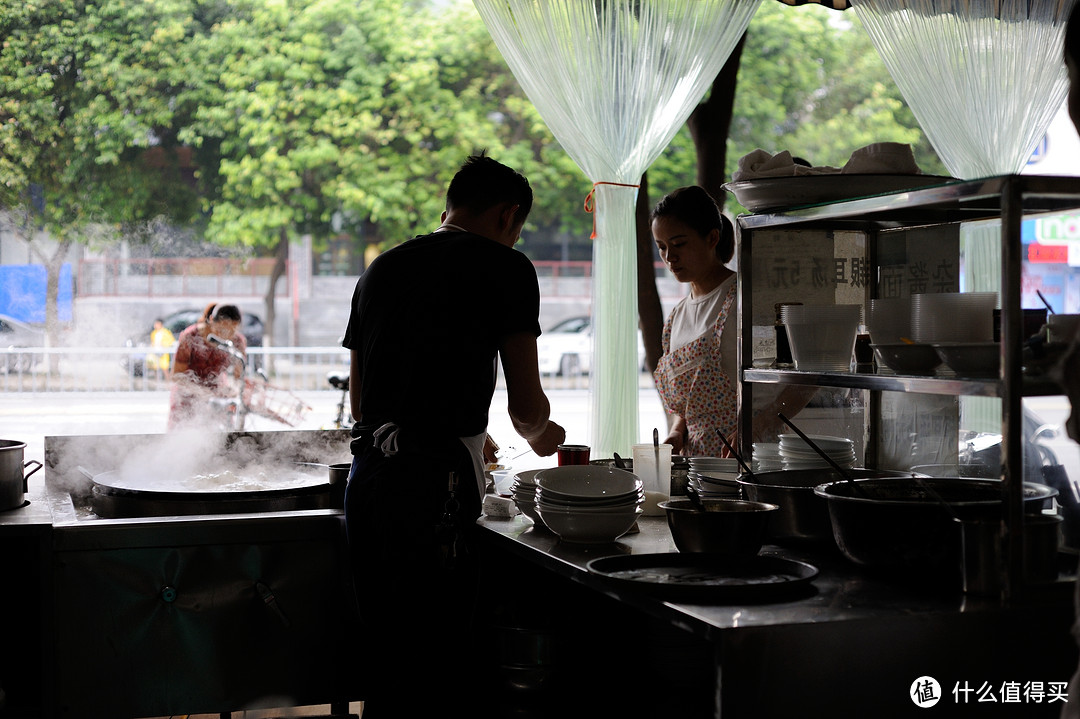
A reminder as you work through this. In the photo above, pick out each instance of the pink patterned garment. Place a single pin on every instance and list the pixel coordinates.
(692, 384)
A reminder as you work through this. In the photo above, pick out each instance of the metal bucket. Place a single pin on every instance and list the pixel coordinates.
(13, 482)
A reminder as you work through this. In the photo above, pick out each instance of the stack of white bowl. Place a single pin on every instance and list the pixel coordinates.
(714, 477)
(797, 454)
(523, 490)
(953, 317)
(822, 337)
(588, 504)
(766, 457)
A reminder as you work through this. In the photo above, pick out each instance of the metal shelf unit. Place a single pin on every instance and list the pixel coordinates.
(1009, 199)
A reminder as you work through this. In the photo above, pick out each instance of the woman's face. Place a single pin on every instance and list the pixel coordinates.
(686, 252)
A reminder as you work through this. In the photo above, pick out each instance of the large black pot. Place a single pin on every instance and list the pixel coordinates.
(803, 516)
(904, 525)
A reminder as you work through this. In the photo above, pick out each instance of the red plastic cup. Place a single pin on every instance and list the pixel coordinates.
(573, 454)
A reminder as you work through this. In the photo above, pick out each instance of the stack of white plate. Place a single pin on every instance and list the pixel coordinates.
(766, 457)
(523, 490)
(797, 454)
(588, 503)
(714, 477)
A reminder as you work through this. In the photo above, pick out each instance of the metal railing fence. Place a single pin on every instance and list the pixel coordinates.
(127, 369)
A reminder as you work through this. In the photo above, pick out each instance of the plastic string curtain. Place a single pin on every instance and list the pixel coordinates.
(614, 80)
(983, 77)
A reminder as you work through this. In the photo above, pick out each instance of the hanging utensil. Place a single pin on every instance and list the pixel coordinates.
(656, 454)
(620, 463)
(1048, 307)
(749, 472)
(825, 456)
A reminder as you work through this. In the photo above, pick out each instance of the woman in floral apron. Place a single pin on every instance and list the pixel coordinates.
(695, 374)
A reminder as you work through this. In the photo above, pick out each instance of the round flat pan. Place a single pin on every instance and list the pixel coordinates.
(707, 577)
(113, 495)
(212, 485)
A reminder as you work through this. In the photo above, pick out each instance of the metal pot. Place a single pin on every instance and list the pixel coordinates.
(803, 516)
(900, 525)
(13, 482)
(339, 477)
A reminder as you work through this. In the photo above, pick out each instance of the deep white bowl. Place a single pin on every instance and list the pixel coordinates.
(589, 528)
(587, 481)
(627, 506)
(559, 500)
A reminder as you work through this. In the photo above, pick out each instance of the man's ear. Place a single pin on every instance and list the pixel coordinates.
(507, 216)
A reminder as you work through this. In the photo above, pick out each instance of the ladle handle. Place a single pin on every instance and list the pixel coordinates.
(734, 454)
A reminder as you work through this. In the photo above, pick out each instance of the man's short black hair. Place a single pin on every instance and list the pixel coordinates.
(482, 183)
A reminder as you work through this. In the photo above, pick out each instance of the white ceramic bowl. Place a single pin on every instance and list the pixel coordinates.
(587, 481)
(557, 500)
(589, 528)
(621, 506)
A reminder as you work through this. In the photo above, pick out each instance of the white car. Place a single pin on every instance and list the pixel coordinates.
(566, 348)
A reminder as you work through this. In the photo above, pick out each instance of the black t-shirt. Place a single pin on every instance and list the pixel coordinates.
(427, 320)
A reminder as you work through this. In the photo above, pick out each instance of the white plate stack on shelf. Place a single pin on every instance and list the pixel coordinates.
(588, 504)
(797, 454)
(714, 477)
(766, 457)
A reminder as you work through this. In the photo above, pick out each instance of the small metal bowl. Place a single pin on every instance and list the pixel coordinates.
(732, 527)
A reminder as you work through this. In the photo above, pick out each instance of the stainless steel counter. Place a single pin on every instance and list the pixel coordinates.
(872, 635)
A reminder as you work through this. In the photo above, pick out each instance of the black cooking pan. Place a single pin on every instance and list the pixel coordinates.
(116, 494)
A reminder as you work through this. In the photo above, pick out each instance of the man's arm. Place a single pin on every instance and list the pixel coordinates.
(527, 404)
(354, 385)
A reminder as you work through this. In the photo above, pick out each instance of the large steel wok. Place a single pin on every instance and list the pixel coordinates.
(124, 494)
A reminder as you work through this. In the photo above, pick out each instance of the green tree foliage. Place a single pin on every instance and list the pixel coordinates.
(344, 118)
(86, 118)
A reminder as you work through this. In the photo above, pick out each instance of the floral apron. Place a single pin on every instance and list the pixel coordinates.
(692, 384)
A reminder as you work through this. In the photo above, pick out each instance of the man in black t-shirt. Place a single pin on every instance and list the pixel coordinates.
(429, 320)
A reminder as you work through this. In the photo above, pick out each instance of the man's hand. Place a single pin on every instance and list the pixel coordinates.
(547, 443)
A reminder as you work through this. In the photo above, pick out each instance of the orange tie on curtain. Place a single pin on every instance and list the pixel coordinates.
(590, 202)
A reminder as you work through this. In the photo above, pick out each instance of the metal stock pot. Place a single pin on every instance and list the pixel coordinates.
(13, 482)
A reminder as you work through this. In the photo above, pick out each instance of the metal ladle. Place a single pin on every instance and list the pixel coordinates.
(749, 472)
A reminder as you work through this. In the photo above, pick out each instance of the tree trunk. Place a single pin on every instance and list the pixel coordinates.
(281, 256)
(53, 265)
(650, 311)
(709, 124)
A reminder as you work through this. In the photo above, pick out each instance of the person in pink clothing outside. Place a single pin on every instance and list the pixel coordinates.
(203, 369)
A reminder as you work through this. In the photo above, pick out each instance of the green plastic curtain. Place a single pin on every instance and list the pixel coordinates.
(614, 80)
(983, 77)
